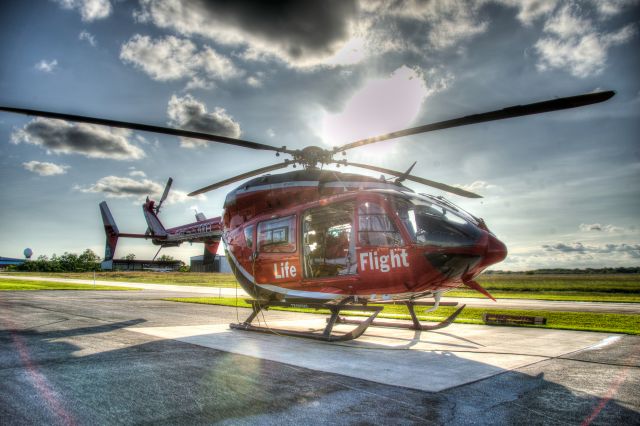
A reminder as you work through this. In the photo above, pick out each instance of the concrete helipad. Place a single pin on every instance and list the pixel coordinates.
(428, 361)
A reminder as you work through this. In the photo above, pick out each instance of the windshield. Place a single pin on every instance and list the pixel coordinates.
(430, 223)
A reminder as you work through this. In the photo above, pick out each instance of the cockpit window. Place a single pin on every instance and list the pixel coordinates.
(277, 235)
(429, 223)
(375, 227)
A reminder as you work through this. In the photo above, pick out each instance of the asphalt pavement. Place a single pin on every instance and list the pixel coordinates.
(71, 357)
(550, 305)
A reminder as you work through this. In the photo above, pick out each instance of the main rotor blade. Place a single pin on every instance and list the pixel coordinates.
(510, 112)
(145, 128)
(240, 177)
(431, 183)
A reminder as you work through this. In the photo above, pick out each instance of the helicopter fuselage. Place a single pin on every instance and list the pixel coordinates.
(326, 235)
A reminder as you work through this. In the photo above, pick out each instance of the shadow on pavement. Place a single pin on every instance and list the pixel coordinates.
(103, 374)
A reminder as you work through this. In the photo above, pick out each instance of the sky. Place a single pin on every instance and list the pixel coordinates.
(561, 189)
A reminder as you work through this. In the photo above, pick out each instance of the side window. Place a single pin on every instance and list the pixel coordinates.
(277, 236)
(375, 228)
(248, 236)
(328, 241)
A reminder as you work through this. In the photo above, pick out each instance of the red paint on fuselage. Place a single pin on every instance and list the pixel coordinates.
(402, 270)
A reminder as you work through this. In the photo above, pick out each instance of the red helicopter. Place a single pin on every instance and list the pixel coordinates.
(326, 239)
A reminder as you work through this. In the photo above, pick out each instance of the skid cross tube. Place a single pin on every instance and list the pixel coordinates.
(416, 325)
(326, 335)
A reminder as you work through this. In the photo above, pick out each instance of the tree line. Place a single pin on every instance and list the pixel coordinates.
(69, 262)
(590, 271)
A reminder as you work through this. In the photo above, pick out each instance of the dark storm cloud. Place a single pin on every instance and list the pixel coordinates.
(632, 250)
(295, 31)
(188, 113)
(62, 137)
(312, 26)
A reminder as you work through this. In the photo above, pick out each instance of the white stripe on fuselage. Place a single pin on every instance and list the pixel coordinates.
(278, 289)
(315, 183)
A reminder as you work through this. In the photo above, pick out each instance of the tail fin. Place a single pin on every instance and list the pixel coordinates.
(212, 246)
(155, 226)
(111, 231)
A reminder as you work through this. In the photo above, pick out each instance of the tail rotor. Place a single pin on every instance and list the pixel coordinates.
(167, 188)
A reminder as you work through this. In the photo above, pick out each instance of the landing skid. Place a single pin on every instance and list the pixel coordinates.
(416, 325)
(326, 335)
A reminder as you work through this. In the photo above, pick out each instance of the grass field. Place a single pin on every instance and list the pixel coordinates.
(584, 288)
(20, 285)
(586, 321)
(174, 278)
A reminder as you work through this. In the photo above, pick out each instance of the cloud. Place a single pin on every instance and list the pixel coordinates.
(451, 22)
(90, 10)
(416, 24)
(138, 173)
(174, 58)
(478, 185)
(45, 169)
(92, 141)
(124, 187)
(254, 81)
(573, 42)
(599, 228)
(47, 67)
(189, 113)
(608, 8)
(88, 37)
(630, 250)
(531, 10)
(299, 33)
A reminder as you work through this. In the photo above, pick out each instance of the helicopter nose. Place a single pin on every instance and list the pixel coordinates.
(496, 251)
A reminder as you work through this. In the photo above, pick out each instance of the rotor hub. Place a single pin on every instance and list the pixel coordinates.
(311, 156)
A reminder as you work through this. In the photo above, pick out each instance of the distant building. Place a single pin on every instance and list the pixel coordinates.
(141, 265)
(9, 261)
(210, 263)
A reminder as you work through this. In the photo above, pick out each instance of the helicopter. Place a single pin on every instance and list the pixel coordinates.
(341, 241)
(203, 230)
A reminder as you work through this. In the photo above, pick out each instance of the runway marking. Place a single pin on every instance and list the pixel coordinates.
(605, 342)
